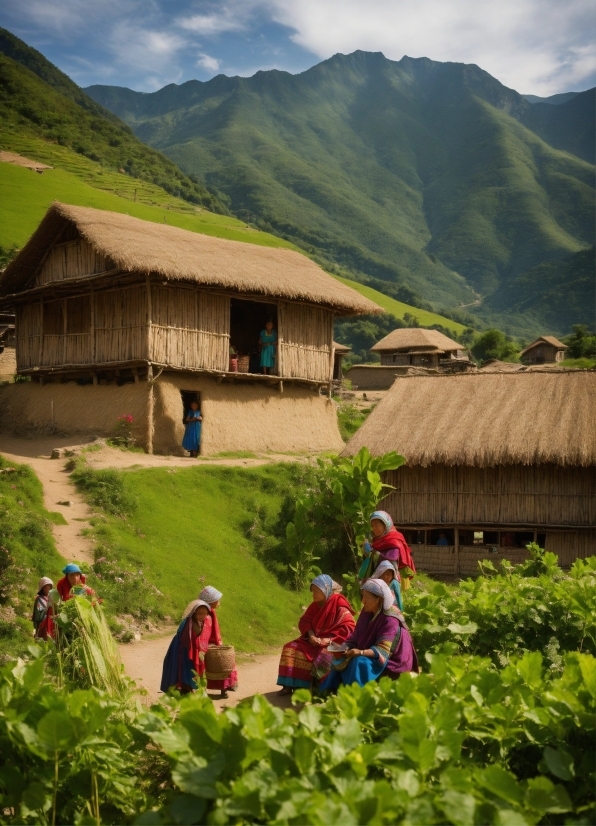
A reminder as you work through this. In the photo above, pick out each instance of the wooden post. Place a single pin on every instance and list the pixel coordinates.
(150, 410)
(64, 300)
(149, 321)
(279, 354)
(331, 359)
(92, 325)
(456, 561)
(40, 331)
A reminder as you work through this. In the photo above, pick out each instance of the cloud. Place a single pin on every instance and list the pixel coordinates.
(538, 46)
(210, 25)
(210, 64)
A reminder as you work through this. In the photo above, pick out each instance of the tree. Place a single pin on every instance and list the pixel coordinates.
(581, 343)
(493, 344)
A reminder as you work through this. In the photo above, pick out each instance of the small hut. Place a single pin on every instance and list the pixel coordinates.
(494, 461)
(416, 347)
(545, 350)
(118, 316)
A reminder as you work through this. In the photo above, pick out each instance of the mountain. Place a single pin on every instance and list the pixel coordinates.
(37, 99)
(432, 176)
(567, 124)
(554, 100)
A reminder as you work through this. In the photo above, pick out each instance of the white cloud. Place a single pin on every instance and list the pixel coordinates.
(146, 49)
(210, 64)
(213, 24)
(538, 46)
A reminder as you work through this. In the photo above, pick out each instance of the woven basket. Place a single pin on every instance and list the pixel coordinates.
(243, 364)
(220, 661)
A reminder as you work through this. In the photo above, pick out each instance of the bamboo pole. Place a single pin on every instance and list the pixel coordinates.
(456, 542)
(280, 339)
(150, 410)
(331, 320)
(40, 331)
(64, 351)
(92, 323)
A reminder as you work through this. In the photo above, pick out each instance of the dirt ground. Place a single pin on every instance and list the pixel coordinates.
(142, 659)
(256, 673)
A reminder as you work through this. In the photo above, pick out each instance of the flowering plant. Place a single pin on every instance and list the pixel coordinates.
(123, 435)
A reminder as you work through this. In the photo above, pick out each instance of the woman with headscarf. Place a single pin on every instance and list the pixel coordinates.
(386, 543)
(184, 662)
(380, 643)
(386, 571)
(43, 618)
(329, 618)
(72, 583)
(223, 684)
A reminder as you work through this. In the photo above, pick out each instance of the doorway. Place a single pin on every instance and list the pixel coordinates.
(247, 319)
(188, 397)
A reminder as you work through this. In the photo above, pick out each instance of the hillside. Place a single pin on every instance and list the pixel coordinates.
(414, 172)
(38, 100)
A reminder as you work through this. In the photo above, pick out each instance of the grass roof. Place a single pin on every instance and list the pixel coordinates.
(409, 337)
(486, 419)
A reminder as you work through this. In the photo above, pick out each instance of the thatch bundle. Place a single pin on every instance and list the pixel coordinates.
(486, 419)
(132, 245)
(414, 337)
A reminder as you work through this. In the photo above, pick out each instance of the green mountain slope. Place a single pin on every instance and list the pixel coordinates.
(37, 99)
(413, 172)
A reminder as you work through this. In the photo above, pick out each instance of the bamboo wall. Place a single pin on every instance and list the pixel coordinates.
(189, 328)
(509, 495)
(71, 259)
(305, 342)
(94, 328)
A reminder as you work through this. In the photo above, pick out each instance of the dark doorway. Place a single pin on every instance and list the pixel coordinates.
(247, 319)
(189, 396)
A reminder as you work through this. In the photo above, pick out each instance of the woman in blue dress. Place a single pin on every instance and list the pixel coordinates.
(268, 345)
(192, 430)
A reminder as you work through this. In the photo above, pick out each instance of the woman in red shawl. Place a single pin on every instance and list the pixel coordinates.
(73, 578)
(184, 662)
(217, 682)
(329, 618)
(386, 543)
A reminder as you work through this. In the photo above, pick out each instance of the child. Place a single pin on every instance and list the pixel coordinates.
(390, 577)
(192, 430)
(73, 578)
(43, 620)
(386, 544)
(212, 597)
(184, 662)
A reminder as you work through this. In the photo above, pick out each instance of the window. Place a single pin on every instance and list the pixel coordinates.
(78, 315)
(247, 319)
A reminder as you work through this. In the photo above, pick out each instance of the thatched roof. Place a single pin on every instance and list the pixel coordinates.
(486, 419)
(341, 349)
(409, 337)
(549, 340)
(142, 246)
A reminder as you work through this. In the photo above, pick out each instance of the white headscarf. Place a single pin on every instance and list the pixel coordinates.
(380, 589)
(383, 566)
(45, 580)
(192, 607)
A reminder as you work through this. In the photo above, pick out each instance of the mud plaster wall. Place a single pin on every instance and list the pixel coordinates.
(26, 409)
(245, 417)
(8, 363)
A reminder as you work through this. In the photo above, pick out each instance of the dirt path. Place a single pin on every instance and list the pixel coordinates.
(256, 673)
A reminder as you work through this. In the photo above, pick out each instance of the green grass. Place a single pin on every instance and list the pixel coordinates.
(581, 364)
(27, 552)
(399, 309)
(181, 529)
(26, 196)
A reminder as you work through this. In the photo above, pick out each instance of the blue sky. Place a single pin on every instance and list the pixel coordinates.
(535, 46)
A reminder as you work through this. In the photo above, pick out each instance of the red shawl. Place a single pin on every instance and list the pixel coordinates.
(393, 546)
(334, 618)
(64, 587)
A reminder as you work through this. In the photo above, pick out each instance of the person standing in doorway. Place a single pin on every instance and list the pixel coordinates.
(268, 346)
(192, 430)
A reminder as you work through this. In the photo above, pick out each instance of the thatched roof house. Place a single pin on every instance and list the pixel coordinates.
(494, 460)
(420, 348)
(102, 298)
(545, 350)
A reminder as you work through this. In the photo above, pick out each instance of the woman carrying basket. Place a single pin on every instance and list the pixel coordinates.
(226, 680)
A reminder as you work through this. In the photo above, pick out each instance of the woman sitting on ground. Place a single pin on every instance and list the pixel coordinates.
(391, 578)
(386, 543)
(184, 662)
(72, 583)
(329, 618)
(212, 597)
(380, 643)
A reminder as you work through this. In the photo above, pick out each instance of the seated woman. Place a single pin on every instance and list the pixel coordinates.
(329, 618)
(390, 577)
(184, 662)
(380, 643)
(386, 543)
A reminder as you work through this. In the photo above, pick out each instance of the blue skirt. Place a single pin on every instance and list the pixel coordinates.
(359, 670)
(192, 436)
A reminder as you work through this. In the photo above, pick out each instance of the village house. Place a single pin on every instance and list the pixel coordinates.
(339, 352)
(545, 350)
(117, 316)
(494, 461)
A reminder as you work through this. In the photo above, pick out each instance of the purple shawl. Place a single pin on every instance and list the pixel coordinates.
(386, 627)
